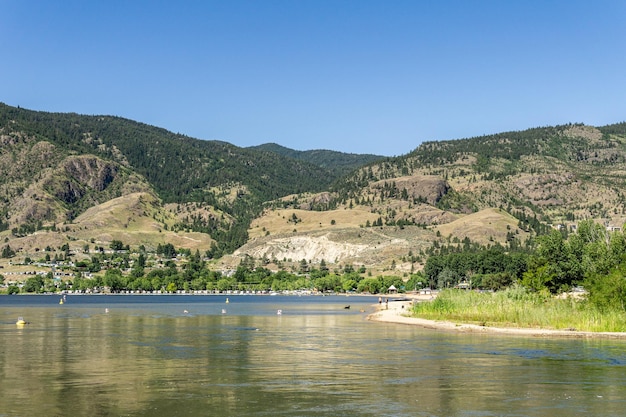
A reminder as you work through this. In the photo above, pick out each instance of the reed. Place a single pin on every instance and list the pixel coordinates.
(519, 308)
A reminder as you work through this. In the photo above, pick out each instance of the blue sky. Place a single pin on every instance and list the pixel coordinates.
(354, 76)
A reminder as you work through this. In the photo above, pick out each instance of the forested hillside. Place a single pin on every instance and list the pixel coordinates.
(179, 169)
(338, 162)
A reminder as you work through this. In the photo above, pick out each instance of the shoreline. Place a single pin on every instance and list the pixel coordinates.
(398, 310)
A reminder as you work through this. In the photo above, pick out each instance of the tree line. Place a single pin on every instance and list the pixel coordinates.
(590, 256)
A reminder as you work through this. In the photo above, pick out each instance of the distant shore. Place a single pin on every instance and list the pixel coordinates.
(398, 312)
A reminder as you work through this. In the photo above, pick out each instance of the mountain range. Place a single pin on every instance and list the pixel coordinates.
(82, 181)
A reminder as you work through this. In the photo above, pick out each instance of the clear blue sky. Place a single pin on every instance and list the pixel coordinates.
(349, 75)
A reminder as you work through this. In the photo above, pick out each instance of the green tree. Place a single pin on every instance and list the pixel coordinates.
(329, 282)
(554, 265)
(137, 271)
(447, 278)
(304, 266)
(496, 282)
(94, 266)
(33, 284)
(224, 284)
(167, 250)
(370, 285)
(416, 281)
(608, 292)
(7, 252)
(116, 245)
(114, 280)
(349, 285)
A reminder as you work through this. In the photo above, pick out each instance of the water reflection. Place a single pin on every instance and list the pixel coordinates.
(314, 359)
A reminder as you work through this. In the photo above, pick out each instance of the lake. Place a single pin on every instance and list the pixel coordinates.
(181, 355)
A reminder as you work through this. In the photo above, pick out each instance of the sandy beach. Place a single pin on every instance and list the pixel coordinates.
(398, 311)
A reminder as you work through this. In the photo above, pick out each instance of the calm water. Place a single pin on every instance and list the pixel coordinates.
(147, 357)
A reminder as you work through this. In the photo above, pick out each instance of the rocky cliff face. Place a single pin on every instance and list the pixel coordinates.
(91, 171)
(428, 188)
(78, 176)
(43, 187)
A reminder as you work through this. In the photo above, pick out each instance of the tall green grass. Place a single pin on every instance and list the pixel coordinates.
(517, 307)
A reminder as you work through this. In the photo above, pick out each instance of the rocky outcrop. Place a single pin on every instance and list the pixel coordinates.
(428, 188)
(77, 176)
(91, 171)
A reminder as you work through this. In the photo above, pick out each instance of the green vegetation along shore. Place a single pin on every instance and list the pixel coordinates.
(518, 307)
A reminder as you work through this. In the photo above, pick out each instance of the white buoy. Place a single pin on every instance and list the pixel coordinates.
(279, 312)
(223, 311)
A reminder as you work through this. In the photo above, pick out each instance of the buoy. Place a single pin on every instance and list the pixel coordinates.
(279, 312)
(106, 310)
(61, 301)
(227, 301)
(20, 321)
(223, 311)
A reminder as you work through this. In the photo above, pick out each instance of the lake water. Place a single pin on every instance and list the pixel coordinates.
(148, 357)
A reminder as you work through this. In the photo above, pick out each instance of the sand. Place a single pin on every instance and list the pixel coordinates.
(398, 311)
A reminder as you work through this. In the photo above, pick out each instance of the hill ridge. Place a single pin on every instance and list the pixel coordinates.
(501, 189)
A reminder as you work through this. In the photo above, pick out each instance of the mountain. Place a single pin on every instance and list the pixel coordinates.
(339, 162)
(58, 165)
(85, 181)
(501, 189)
(558, 174)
